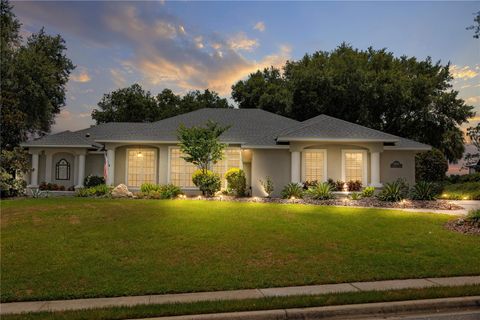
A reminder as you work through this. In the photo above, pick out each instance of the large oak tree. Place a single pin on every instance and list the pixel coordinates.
(400, 95)
(33, 79)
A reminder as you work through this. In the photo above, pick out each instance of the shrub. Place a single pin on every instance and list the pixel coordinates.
(355, 196)
(93, 181)
(332, 183)
(424, 190)
(50, 187)
(339, 185)
(149, 187)
(12, 163)
(208, 182)
(97, 191)
(292, 190)
(368, 192)
(170, 191)
(354, 185)
(236, 181)
(267, 186)
(455, 178)
(392, 191)
(320, 191)
(474, 216)
(308, 184)
(430, 166)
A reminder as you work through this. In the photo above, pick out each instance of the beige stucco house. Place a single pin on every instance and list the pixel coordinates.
(260, 142)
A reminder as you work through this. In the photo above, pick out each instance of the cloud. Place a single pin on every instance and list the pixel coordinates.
(473, 100)
(68, 120)
(241, 42)
(464, 72)
(260, 26)
(118, 78)
(161, 53)
(81, 76)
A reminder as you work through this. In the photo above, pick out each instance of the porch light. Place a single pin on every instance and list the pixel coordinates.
(139, 154)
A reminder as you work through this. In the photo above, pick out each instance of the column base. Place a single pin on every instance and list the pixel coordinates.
(32, 186)
(79, 187)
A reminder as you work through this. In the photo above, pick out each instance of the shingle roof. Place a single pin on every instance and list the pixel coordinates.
(249, 127)
(324, 127)
(64, 138)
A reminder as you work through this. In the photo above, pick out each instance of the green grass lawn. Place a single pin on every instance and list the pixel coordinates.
(74, 247)
(462, 191)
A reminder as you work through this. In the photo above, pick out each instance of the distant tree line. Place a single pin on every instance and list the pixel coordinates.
(134, 104)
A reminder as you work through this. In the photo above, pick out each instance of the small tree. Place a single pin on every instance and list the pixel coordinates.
(201, 145)
(430, 166)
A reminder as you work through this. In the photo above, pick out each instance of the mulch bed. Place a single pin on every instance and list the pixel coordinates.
(366, 202)
(464, 225)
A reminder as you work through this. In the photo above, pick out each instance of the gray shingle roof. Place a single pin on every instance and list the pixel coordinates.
(324, 127)
(64, 138)
(249, 127)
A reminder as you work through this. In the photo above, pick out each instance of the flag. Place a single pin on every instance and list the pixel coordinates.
(105, 167)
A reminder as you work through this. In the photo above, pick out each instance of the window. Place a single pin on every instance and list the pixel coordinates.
(354, 166)
(62, 170)
(314, 165)
(181, 171)
(141, 166)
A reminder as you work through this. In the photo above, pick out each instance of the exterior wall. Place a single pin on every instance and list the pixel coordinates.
(274, 163)
(406, 158)
(94, 164)
(71, 160)
(42, 160)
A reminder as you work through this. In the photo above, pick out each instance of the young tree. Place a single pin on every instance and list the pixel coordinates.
(33, 79)
(201, 145)
(402, 96)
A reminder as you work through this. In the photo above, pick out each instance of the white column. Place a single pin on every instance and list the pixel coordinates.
(111, 167)
(34, 179)
(75, 171)
(295, 170)
(375, 169)
(81, 170)
(48, 167)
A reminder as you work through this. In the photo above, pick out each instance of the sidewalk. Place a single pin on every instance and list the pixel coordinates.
(77, 304)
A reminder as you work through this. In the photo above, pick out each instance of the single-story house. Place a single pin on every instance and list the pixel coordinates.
(262, 143)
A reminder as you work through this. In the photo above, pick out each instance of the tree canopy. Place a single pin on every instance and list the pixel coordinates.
(201, 145)
(403, 96)
(134, 104)
(33, 76)
(476, 25)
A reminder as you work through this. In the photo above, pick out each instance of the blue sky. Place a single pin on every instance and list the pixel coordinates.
(198, 45)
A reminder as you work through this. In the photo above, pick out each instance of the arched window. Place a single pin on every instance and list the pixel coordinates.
(62, 170)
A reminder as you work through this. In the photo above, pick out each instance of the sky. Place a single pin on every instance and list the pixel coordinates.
(186, 45)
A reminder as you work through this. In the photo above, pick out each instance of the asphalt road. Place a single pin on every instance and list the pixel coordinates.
(458, 315)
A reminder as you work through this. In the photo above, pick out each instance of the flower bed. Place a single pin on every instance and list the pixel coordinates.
(365, 202)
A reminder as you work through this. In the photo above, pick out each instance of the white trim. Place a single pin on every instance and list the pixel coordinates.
(407, 148)
(325, 165)
(286, 139)
(365, 164)
(155, 165)
(266, 147)
(55, 146)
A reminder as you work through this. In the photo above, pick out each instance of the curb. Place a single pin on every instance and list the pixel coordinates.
(340, 312)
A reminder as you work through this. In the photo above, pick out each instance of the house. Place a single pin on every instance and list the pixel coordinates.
(262, 143)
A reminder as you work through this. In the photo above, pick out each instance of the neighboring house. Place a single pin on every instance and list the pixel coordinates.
(474, 167)
(260, 142)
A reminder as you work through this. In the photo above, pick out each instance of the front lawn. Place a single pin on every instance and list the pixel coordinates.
(74, 247)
